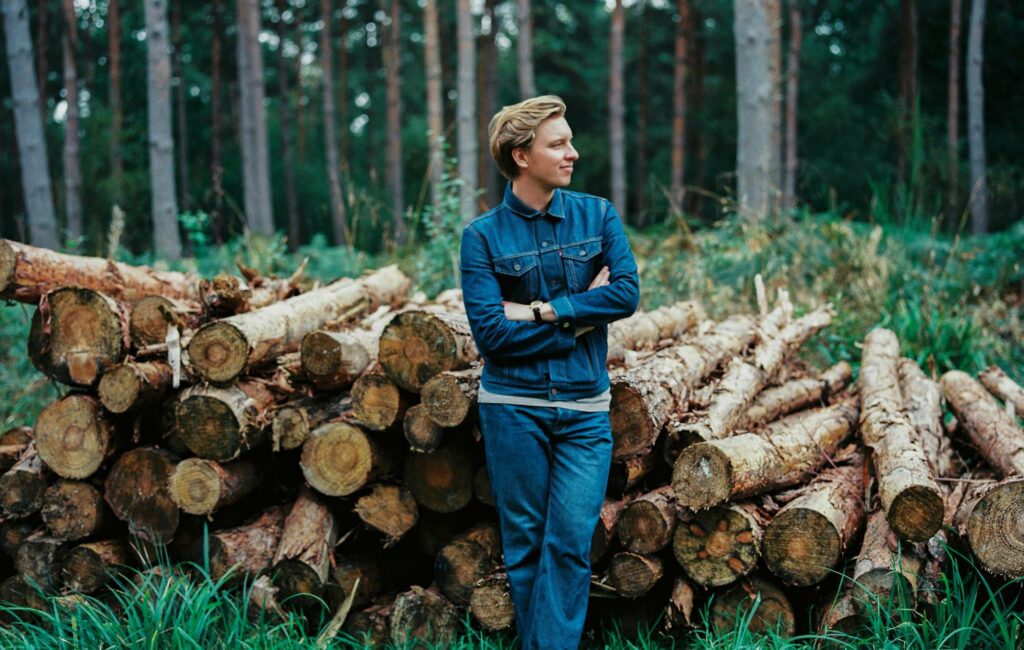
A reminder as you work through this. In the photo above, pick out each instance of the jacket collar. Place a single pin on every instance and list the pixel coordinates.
(555, 209)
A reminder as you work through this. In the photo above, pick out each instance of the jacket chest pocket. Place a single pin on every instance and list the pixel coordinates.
(580, 262)
(519, 277)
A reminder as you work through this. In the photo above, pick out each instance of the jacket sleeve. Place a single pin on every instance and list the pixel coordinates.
(494, 334)
(620, 298)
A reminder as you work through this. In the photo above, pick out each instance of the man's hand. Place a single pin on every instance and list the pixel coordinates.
(601, 279)
(517, 311)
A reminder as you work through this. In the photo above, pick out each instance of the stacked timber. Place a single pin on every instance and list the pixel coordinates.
(327, 442)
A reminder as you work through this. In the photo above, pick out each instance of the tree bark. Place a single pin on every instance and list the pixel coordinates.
(644, 397)
(679, 613)
(73, 436)
(38, 561)
(642, 118)
(222, 423)
(166, 240)
(709, 473)
(28, 127)
(294, 421)
(718, 546)
(465, 560)
(72, 137)
(646, 329)
(392, 52)
(976, 118)
(421, 432)
(368, 571)
(435, 104)
(334, 360)
(201, 487)
(73, 510)
(953, 116)
(884, 566)
(797, 394)
(390, 509)
(418, 345)
(247, 549)
(114, 99)
(137, 491)
(13, 443)
(999, 384)
(796, 36)
(339, 458)
(255, 155)
(524, 50)
(604, 532)
(338, 209)
(922, 402)
(906, 487)
(22, 486)
(441, 480)
(989, 518)
(990, 428)
(88, 567)
(466, 134)
(284, 101)
(303, 559)
(624, 475)
(678, 179)
(223, 350)
(617, 110)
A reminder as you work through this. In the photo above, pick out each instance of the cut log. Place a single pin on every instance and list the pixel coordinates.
(294, 421)
(222, 350)
(18, 593)
(221, 423)
(646, 329)
(807, 539)
(419, 345)
(886, 572)
(38, 561)
(368, 571)
(708, 473)
(29, 272)
(909, 494)
(339, 458)
(644, 397)
(743, 380)
(132, 385)
(990, 519)
(604, 532)
(990, 428)
(633, 575)
(370, 626)
(334, 360)
(73, 437)
(623, 476)
(137, 491)
(442, 480)
(774, 611)
(76, 334)
(421, 432)
(390, 509)
(843, 616)
(720, 545)
(22, 487)
(378, 403)
(423, 615)
(303, 559)
(797, 394)
(646, 524)
(13, 532)
(226, 294)
(263, 600)
(450, 397)
(73, 510)
(13, 444)
(679, 613)
(467, 559)
(201, 487)
(153, 315)
(247, 550)
(922, 402)
(999, 384)
(482, 487)
(88, 567)
(491, 604)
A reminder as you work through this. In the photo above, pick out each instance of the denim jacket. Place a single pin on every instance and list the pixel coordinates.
(519, 254)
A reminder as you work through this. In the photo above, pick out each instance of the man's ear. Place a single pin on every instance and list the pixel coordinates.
(519, 157)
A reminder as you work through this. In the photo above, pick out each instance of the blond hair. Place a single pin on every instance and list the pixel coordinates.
(515, 126)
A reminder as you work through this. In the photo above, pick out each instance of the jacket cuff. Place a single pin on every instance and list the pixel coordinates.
(565, 316)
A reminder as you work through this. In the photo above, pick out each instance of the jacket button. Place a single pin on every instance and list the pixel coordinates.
(565, 325)
(544, 243)
(582, 251)
(515, 266)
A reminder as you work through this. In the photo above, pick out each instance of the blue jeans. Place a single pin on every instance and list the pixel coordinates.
(548, 469)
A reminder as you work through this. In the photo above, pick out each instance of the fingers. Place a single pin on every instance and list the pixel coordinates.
(601, 279)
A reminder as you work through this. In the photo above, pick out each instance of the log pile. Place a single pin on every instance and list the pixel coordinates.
(328, 441)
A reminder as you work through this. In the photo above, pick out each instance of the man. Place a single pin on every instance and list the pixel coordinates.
(543, 274)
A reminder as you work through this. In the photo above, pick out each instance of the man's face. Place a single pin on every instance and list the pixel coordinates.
(549, 160)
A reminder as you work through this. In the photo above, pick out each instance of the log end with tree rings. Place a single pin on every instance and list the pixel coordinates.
(38, 561)
(119, 389)
(390, 509)
(72, 509)
(22, 487)
(633, 575)
(802, 546)
(421, 432)
(150, 319)
(424, 616)
(718, 546)
(416, 346)
(995, 529)
(137, 490)
(442, 480)
(445, 400)
(702, 476)
(290, 427)
(200, 486)
(633, 432)
(774, 611)
(340, 458)
(917, 512)
(377, 402)
(221, 423)
(491, 604)
(332, 360)
(645, 526)
(298, 584)
(73, 437)
(87, 567)
(76, 336)
(218, 352)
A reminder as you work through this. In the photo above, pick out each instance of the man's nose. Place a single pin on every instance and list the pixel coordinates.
(572, 154)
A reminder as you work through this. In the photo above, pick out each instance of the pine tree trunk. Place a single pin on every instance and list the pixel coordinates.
(114, 99)
(423, 615)
(796, 36)
(180, 114)
(284, 100)
(166, 240)
(677, 188)
(907, 89)
(72, 137)
(709, 473)
(368, 571)
(953, 116)
(884, 565)
(797, 394)
(922, 402)
(38, 561)
(466, 132)
(435, 103)
(377, 402)
(624, 475)
(976, 118)
(449, 398)
(524, 50)
(88, 567)
(646, 329)
(28, 126)
(22, 486)
(679, 613)
(137, 490)
(392, 53)
(989, 518)
(604, 532)
(253, 123)
(617, 110)
(718, 546)
(487, 82)
(338, 216)
(990, 428)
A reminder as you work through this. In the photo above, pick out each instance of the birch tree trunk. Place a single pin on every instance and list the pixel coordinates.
(953, 114)
(166, 240)
(976, 118)
(466, 110)
(393, 71)
(617, 110)
(114, 98)
(524, 50)
(792, 103)
(35, 169)
(72, 138)
(330, 138)
(435, 105)
(253, 121)
(284, 106)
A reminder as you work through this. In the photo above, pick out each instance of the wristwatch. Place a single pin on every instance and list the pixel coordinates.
(535, 306)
